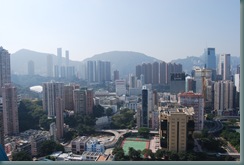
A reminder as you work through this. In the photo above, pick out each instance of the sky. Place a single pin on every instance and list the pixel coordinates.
(164, 29)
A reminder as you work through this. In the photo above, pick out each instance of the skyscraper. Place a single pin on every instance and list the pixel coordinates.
(155, 73)
(68, 92)
(5, 73)
(146, 108)
(91, 71)
(31, 68)
(59, 57)
(67, 58)
(224, 66)
(201, 76)
(52, 90)
(138, 71)
(107, 71)
(10, 110)
(1, 123)
(116, 75)
(176, 124)
(223, 97)
(210, 58)
(49, 66)
(83, 101)
(196, 101)
(59, 117)
(120, 87)
(163, 69)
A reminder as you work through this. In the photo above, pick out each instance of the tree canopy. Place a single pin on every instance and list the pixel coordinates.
(50, 146)
(123, 120)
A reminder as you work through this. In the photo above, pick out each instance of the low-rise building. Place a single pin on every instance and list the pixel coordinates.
(93, 145)
(78, 145)
(90, 156)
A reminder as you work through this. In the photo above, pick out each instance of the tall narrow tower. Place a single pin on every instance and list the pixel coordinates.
(5, 76)
(10, 110)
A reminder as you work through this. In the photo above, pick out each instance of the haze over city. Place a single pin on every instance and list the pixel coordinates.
(162, 29)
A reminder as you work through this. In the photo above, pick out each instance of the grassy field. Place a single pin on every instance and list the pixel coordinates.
(137, 145)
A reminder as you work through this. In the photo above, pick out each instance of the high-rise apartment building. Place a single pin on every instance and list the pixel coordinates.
(10, 110)
(68, 94)
(116, 75)
(5, 72)
(49, 66)
(155, 73)
(176, 124)
(52, 90)
(223, 97)
(67, 58)
(59, 58)
(132, 81)
(190, 84)
(120, 87)
(63, 72)
(163, 73)
(196, 101)
(59, 117)
(138, 71)
(89, 101)
(224, 66)
(91, 71)
(56, 71)
(31, 68)
(201, 76)
(1, 123)
(172, 68)
(83, 101)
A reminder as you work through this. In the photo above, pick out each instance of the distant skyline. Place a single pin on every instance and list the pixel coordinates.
(164, 29)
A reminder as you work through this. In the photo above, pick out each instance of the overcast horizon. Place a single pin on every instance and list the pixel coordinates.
(158, 28)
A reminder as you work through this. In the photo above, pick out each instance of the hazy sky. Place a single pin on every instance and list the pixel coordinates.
(164, 29)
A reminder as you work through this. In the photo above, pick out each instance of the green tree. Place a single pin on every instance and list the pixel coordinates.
(109, 111)
(160, 154)
(21, 156)
(147, 152)
(49, 146)
(123, 120)
(98, 111)
(144, 131)
(134, 154)
(119, 153)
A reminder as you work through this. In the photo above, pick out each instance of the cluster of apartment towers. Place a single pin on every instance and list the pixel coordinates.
(94, 72)
(207, 87)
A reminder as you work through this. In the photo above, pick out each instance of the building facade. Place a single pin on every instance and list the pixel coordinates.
(52, 90)
(10, 110)
(196, 101)
(176, 125)
(224, 66)
(223, 97)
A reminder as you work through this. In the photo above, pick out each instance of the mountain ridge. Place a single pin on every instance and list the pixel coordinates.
(124, 61)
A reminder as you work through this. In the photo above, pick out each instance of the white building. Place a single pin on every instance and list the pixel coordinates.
(224, 66)
(93, 145)
(223, 97)
(120, 87)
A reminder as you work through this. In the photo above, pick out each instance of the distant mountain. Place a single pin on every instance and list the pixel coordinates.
(190, 61)
(20, 59)
(124, 61)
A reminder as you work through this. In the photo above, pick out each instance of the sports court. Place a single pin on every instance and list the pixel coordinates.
(136, 143)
